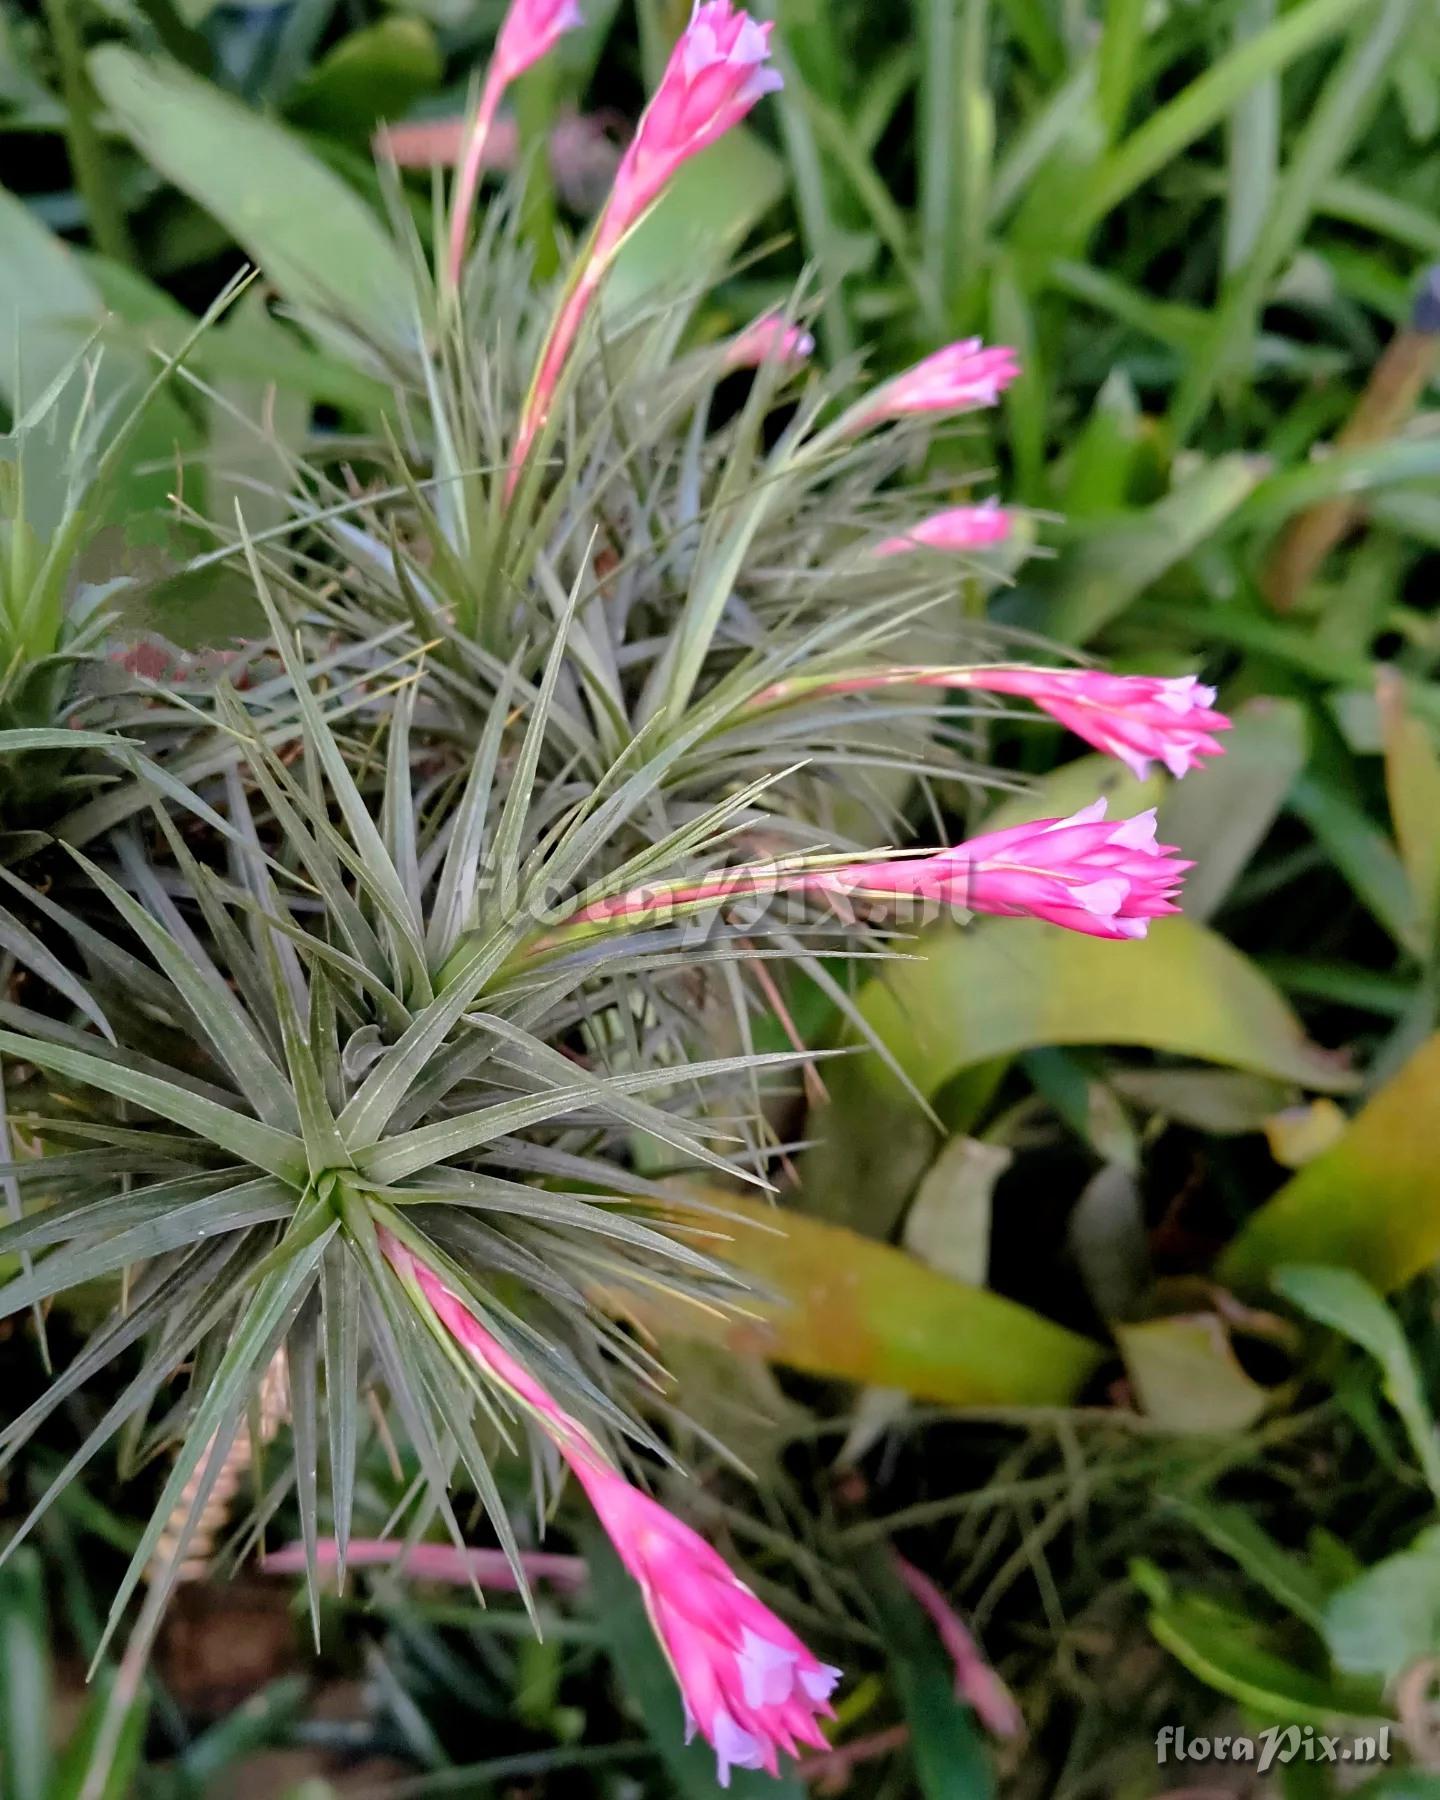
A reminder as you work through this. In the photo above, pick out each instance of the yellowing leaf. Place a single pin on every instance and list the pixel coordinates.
(1007, 985)
(1298, 1134)
(1372, 1203)
(1185, 1375)
(855, 1310)
(1412, 781)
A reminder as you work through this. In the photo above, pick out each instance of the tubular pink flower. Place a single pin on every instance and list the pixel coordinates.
(956, 379)
(1139, 718)
(716, 73)
(769, 339)
(749, 1686)
(1106, 878)
(958, 528)
(531, 29)
(1101, 877)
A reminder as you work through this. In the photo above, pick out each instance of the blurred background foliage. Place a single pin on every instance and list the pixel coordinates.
(1085, 1308)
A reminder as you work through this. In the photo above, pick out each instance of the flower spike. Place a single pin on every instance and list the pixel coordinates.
(531, 30)
(749, 1686)
(716, 73)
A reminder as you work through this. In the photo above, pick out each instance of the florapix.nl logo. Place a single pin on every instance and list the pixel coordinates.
(1277, 1744)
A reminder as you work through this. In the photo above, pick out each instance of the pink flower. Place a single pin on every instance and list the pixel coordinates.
(1139, 718)
(749, 1686)
(1101, 877)
(716, 73)
(959, 528)
(956, 379)
(530, 30)
(768, 339)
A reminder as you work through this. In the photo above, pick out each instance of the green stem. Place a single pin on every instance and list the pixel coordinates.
(88, 160)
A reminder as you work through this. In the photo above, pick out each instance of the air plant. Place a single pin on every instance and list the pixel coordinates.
(390, 940)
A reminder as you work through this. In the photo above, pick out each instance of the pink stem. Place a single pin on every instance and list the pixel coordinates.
(467, 183)
(558, 345)
(438, 1562)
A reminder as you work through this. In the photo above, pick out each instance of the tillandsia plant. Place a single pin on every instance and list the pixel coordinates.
(390, 943)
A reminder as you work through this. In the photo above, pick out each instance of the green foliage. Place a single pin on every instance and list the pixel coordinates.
(1200, 225)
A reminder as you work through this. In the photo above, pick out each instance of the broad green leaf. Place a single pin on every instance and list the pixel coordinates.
(1368, 1204)
(1007, 985)
(1220, 1101)
(839, 1305)
(650, 1686)
(948, 1225)
(309, 233)
(50, 309)
(371, 75)
(1221, 1648)
(1220, 818)
(1348, 1304)
(1389, 1617)
(49, 306)
(1112, 561)
(1185, 1374)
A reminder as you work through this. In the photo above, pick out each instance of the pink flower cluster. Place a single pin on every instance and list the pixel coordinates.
(1105, 878)
(959, 528)
(716, 73)
(749, 1686)
(1141, 719)
(1138, 718)
(531, 29)
(957, 379)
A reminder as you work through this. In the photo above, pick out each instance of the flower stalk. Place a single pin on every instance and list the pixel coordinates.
(750, 1687)
(530, 31)
(1140, 719)
(1102, 877)
(716, 73)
